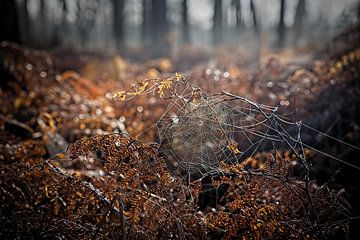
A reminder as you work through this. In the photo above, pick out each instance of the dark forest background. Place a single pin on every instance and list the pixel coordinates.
(86, 87)
(159, 27)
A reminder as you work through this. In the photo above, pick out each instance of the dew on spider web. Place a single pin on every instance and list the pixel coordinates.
(192, 133)
(198, 131)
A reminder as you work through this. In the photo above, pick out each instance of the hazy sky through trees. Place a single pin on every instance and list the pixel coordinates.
(93, 25)
(201, 11)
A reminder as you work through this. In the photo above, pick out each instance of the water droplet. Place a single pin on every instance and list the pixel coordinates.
(43, 74)
(152, 100)
(29, 67)
(284, 103)
(140, 109)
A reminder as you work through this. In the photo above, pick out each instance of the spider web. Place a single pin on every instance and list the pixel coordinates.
(199, 130)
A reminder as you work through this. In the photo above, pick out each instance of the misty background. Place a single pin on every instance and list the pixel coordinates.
(159, 27)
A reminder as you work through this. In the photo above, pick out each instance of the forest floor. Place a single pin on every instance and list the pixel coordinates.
(77, 163)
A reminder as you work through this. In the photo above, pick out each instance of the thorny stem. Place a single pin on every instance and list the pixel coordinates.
(102, 198)
(122, 220)
(179, 225)
(312, 214)
(103, 219)
(85, 184)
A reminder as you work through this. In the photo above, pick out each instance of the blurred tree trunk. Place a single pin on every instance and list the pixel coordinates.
(42, 9)
(80, 24)
(9, 21)
(254, 16)
(146, 21)
(86, 16)
(159, 28)
(24, 22)
(60, 28)
(26, 16)
(118, 25)
(281, 26)
(64, 11)
(299, 17)
(238, 14)
(185, 22)
(217, 22)
(224, 18)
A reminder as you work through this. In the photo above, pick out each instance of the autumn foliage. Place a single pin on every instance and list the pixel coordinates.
(111, 181)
